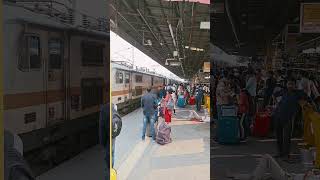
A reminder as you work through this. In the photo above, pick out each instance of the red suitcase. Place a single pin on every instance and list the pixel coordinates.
(192, 100)
(262, 124)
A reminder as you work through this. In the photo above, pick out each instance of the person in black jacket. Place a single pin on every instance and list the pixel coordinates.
(104, 131)
(15, 166)
(284, 116)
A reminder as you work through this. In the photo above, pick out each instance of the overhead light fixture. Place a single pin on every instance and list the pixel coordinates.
(201, 49)
(175, 53)
(193, 48)
(175, 63)
(187, 47)
(205, 25)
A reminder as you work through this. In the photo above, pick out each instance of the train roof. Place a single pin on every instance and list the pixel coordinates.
(14, 13)
(125, 66)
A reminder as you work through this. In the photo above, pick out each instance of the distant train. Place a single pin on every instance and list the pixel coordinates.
(55, 81)
(129, 83)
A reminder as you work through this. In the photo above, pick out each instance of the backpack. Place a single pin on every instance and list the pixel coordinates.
(116, 122)
(15, 167)
(163, 133)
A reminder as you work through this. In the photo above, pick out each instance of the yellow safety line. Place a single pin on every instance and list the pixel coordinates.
(1, 98)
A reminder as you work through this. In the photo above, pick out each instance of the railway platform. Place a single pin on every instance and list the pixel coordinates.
(236, 161)
(89, 164)
(185, 158)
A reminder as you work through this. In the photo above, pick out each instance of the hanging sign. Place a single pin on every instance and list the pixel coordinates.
(310, 18)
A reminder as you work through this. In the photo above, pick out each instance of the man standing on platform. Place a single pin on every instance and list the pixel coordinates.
(284, 117)
(148, 103)
(199, 97)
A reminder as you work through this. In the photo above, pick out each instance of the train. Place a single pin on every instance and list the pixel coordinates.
(56, 77)
(129, 83)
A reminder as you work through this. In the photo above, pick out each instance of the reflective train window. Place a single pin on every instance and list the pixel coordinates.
(92, 54)
(30, 57)
(55, 53)
(127, 78)
(138, 78)
(119, 77)
(91, 92)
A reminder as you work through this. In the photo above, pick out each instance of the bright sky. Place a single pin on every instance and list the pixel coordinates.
(121, 50)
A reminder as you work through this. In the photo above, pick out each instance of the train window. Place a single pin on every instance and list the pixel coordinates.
(91, 92)
(138, 78)
(138, 90)
(30, 117)
(92, 54)
(55, 53)
(152, 81)
(119, 77)
(30, 58)
(127, 78)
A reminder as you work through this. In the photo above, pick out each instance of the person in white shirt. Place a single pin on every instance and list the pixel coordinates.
(174, 98)
(251, 85)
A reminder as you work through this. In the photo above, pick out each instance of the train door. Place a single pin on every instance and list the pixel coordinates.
(55, 78)
(127, 85)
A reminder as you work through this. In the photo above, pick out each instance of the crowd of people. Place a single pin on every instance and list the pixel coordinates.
(164, 102)
(283, 93)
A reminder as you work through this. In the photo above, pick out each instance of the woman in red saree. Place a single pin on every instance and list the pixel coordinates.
(168, 107)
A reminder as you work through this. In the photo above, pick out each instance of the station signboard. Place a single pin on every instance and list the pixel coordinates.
(310, 18)
(206, 67)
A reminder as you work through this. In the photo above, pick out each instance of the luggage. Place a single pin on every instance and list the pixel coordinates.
(163, 133)
(228, 126)
(261, 124)
(116, 122)
(181, 102)
(192, 100)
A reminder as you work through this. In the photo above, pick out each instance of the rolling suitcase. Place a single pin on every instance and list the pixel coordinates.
(181, 102)
(261, 125)
(228, 126)
(192, 100)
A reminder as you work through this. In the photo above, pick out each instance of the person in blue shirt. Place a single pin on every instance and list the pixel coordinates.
(148, 104)
(284, 117)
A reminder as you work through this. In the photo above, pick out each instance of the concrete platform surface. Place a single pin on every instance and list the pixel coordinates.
(87, 165)
(187, 157)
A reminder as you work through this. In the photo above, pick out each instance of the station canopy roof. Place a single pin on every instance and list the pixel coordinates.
(160, 27)
(245, 27)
